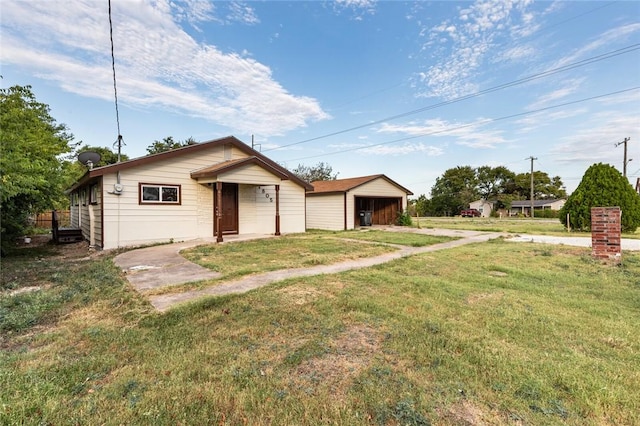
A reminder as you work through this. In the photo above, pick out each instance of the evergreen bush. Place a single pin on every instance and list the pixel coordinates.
(602, 186)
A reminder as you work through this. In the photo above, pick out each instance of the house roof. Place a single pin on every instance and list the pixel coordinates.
(536, 203)
(175, 153)
(229, 165)
(345, 185)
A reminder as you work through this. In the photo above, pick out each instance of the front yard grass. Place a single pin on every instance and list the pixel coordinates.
(495, 333)
(234, 260)
(512, 225)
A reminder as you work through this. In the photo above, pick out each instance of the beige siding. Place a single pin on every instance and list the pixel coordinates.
(485, 207)
(204, 208)
(350, 211)
(247, 212)
(292, 211)
(87, 217)
(265, 205)
(129, 223)
(292, 215)
(73, 216)
(326, 212)
(380, 188)
(250, 175)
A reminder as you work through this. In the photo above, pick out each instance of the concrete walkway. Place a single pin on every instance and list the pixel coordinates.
(161, 266)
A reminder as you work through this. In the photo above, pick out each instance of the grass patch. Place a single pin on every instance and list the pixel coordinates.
(490, 224)
(399, 238)
(493, 333)
(511, 225)
(233, 260)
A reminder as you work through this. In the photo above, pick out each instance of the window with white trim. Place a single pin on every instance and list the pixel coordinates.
(151, 193)
(93, 194)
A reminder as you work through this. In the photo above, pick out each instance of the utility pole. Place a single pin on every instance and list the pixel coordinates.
(531, 158)
(625, 162)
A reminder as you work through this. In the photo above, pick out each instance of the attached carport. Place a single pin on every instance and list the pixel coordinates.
(350, 203)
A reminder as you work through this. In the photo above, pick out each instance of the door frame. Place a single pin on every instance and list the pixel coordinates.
(219, 200)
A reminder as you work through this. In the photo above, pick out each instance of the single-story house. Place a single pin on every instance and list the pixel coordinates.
(213, 188)
(360, 201)
(485, 207)
(524, 206)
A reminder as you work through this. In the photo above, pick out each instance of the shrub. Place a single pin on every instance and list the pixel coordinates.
(547, 213)
(602, 186)
(404, 219)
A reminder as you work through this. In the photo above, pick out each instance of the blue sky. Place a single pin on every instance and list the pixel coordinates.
(408, 89)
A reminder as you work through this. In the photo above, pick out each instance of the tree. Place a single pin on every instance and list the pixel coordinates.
(31, 172)
(544, 187)
(321, 171)
(422, 205)
(168, 143)
(454, 190)
(107, 156)
(602, 186)
(74, 170)
(494, 181)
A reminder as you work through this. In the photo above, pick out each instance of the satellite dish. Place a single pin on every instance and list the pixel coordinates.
(89, 158)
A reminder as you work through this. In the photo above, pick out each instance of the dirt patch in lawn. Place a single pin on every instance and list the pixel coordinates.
(466, 413)
(483, 297)
(348, 355)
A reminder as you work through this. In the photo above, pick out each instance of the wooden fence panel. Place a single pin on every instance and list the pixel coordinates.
(43, 220)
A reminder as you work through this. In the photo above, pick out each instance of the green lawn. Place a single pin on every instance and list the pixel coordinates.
(512, 224)
(494, 333)
(299, 251)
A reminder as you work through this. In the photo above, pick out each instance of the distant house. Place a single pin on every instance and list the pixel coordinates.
(210, 189)
(524, 206)
(349, 203)
(485, 207)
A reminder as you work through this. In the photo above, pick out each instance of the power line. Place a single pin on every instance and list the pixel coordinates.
(478, 123)
(527, 79)
(119, 141)
(533, 37)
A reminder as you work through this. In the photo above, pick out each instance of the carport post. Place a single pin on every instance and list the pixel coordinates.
(277, 209)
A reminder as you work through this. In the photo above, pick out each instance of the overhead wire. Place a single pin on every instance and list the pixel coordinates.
(538, 33)
(477, 123)
(523, 80)
(119, 141)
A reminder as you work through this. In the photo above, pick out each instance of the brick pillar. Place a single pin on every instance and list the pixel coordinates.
(605, 234)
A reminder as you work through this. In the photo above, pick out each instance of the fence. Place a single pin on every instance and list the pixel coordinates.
(43, 220)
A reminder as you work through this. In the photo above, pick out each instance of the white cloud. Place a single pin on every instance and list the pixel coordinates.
(157, 63)
(467, 134)
(567, 88)
(597, 142)
(517, 53)
(535, 122)
(241, 12)
(603, 39)
(405, 149)
(472, 37)
(389, 148)
(359, 8)
(193, 11)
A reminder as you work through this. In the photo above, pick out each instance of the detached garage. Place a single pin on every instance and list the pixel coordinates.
(350, 203)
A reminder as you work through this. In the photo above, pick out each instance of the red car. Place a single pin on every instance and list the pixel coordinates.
(470, 213)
